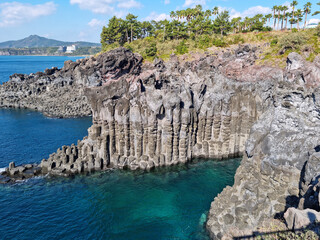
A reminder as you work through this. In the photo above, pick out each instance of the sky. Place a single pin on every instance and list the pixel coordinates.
(82, 20)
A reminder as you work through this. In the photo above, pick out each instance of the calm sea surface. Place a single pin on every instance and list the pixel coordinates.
(165, 204)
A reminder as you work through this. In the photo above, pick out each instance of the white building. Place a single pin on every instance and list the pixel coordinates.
(71, 49)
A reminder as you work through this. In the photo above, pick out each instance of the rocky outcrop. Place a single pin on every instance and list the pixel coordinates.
(164, 114)
(19, 173)
(280, 160)
(60, 92)
(299, 219)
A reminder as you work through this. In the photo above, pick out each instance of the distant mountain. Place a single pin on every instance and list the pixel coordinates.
(34, 41)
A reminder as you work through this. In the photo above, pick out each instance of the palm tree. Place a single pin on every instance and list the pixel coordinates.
(293, 4)
(307, 10)
(279, 11)
(298, 16)
(288, 15)
(269, 16)
(173, 14)
(274, 8)
(284, 9)
(317, 12)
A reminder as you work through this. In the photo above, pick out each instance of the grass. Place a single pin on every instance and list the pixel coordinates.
(276, 45)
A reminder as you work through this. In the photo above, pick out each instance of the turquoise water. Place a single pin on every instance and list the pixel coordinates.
(169, 203)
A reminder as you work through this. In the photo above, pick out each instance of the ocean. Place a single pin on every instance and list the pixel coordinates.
(168, 203)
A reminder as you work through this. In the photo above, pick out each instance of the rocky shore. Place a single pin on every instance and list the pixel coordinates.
(165, 113)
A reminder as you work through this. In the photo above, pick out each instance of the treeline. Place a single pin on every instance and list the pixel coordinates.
(193, 22)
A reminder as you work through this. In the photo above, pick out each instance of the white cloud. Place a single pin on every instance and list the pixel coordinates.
(192, 3)
(106, 6)
(256, 10)
(129, 4)
(14, 13)
(157, 17)
(166, 2)
(96, 23)
(96, 6)
(250, 12)
(314, 20)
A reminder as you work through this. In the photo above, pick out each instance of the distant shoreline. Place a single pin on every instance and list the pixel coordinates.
(47, 55)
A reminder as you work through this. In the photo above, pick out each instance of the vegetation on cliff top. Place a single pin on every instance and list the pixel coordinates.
(197, 30)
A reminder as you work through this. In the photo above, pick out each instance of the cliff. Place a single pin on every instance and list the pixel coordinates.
(217, 106)
(281, 160)
(160, 114)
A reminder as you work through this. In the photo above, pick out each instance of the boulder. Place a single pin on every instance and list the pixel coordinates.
(298, 219)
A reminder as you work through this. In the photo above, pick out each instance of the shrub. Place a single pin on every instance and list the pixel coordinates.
(182, 48)
(151, 49)
(109, 47)
(267, 29)
(203, 42)
(294, 30)
(274, 42)
(292, 41)
(238, 39)
(219, 42)
(128, 46)
(318, 30)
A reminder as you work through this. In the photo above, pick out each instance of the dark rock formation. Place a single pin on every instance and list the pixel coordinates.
(163, 114)
(59, 93)
(280, 160)
(160, 114)
(13, 173)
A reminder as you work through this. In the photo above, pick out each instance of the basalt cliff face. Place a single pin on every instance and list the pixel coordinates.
(280, 167)
(163, 114)
(217, 106)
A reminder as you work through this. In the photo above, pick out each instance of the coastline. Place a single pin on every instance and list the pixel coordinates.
(134, 127)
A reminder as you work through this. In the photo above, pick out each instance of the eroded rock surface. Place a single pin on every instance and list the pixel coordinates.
(164, 114)
(280, 160)
(59, 92)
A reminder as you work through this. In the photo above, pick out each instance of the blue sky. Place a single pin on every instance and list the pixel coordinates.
(73, 20)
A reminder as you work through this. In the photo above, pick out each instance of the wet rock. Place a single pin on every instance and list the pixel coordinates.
(11, 165)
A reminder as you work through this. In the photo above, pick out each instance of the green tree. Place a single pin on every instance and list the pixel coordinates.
(235, 24)
(274, 9)
(268, 17)
(215, 11)
(307, 10)
(293, 5)
(284, 9)
(298, 16)
(221, 23)
(113, 32)
(288, 15)
(317, 12)
(132, 26)
(279, 12)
